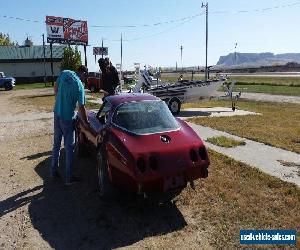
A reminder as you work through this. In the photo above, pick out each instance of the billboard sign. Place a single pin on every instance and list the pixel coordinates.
(66, 30)
(100, 51)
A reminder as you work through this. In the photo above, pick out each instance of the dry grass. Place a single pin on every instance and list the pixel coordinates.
(40, 102)
(236, 196)
(279, 124)
(226, 142)
(46, 102)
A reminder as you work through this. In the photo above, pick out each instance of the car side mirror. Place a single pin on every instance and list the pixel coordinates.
(103, 118)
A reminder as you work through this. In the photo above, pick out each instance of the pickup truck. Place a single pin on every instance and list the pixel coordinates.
(7, 83)
(93, 81)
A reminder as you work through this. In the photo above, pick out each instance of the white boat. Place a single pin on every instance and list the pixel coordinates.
(181, 92)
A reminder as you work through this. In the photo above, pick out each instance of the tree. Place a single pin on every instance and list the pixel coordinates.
(5, 40)
(71, 59)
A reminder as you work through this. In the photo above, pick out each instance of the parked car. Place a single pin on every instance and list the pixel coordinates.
(7, 83)
(93, 81)
(128, 79)
(140, 146)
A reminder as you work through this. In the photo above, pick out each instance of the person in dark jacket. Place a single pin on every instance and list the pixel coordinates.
(109, 78)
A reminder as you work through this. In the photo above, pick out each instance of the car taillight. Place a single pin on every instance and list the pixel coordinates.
(202, 153)
(153, 162)
(193, 155)
(141, 165)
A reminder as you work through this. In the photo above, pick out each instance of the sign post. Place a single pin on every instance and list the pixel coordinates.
(52, 72)
(100, 51)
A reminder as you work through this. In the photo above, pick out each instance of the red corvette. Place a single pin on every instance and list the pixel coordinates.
(140, 146)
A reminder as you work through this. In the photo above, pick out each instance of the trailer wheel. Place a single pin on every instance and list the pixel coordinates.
(104, 187)
(174, 105)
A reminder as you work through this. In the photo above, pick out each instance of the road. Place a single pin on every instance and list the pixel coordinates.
(270, 98)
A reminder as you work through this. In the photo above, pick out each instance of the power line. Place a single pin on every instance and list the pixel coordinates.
(146, 25)
(115, 26)
(256, 10)
(169, 21)
(154, 34)
(21, 19)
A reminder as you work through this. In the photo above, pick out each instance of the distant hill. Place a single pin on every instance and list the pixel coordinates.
(257, 59)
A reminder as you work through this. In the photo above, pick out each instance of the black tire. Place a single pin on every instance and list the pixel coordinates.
(80, 148)
(105, 189)
(8, 86)
(93, 89)
(174, 105)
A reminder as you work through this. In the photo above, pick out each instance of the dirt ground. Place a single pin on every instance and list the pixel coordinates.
(39, 213)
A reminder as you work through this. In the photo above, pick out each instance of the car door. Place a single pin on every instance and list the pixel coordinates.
(102, 119)
(97, 123)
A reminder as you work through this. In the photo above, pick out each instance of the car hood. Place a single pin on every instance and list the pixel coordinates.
(8, 78)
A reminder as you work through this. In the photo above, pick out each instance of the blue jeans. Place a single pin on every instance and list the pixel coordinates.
(66, 129)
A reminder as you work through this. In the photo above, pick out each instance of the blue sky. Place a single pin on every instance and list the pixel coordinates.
(258, 30)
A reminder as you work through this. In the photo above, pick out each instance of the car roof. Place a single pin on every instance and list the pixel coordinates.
(130, 97)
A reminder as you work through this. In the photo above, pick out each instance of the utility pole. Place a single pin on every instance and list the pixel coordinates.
(44, 53)
(102, 48)
(235, 45)
(206, 6)
(51, 56)
(181, 48)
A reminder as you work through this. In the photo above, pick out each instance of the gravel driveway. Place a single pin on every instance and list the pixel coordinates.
(39, 213)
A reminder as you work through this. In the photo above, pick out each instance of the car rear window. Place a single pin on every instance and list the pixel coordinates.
(145, 117)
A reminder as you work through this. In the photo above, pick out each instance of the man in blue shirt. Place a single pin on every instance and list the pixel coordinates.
(69, 91)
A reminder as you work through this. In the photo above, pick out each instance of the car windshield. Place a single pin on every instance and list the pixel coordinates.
(145, 117)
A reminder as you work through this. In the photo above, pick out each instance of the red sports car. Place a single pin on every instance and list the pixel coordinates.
(140, 146)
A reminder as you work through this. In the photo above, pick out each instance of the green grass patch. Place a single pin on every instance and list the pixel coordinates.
(267, 80)
(225, 142)
(173, 77)
(269, 89)
(278, 126)
(32, 86)
(92, 105)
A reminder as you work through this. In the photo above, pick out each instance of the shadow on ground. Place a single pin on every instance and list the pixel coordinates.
(73, 217)
(192, 113)
(189, 113)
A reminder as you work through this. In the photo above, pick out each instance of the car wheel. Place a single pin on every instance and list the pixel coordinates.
(92, 89)
(80, 148)
(174, 106)
(104, 187)
(8, 86)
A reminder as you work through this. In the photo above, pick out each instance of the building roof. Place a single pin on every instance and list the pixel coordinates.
(35, 52)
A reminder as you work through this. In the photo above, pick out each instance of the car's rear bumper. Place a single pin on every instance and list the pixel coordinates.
(161, 183)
